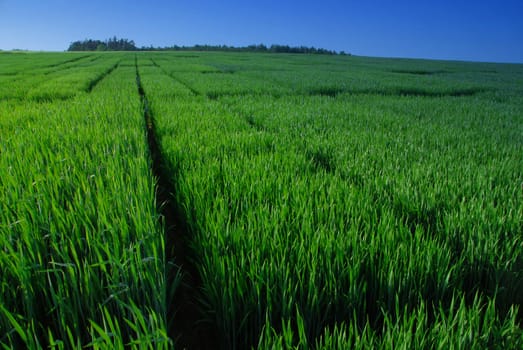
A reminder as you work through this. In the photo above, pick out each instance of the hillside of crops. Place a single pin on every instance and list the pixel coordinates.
(266, 201)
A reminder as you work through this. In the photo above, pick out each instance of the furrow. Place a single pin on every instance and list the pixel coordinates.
(101, 77)
(184, 314)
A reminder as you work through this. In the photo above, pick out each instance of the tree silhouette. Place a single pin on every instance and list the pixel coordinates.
(113, 44)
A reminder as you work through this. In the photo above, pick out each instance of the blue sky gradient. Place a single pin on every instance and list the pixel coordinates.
(480, 30)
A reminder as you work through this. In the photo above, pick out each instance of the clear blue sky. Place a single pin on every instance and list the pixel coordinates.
(482, 30)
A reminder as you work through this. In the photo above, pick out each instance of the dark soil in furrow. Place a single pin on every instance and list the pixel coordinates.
(101, 77)
(195, 92)
(185, 324)
(71, 60)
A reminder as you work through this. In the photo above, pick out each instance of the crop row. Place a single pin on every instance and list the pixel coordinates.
(56, 80)
(215, 75)
(355, 221)
(82, 257)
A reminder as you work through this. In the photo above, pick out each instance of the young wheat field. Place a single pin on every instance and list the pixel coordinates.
(159, 200)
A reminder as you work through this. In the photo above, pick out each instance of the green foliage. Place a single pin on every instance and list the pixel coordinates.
(82, 260)
(386, 214)
(332, 202)
(113, 44)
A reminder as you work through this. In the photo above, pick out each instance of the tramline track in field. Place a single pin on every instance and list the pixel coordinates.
(184, 314)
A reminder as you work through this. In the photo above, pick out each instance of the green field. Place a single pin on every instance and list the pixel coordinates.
(269, 201)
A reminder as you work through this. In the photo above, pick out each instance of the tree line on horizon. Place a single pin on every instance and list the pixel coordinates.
(115, 44)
